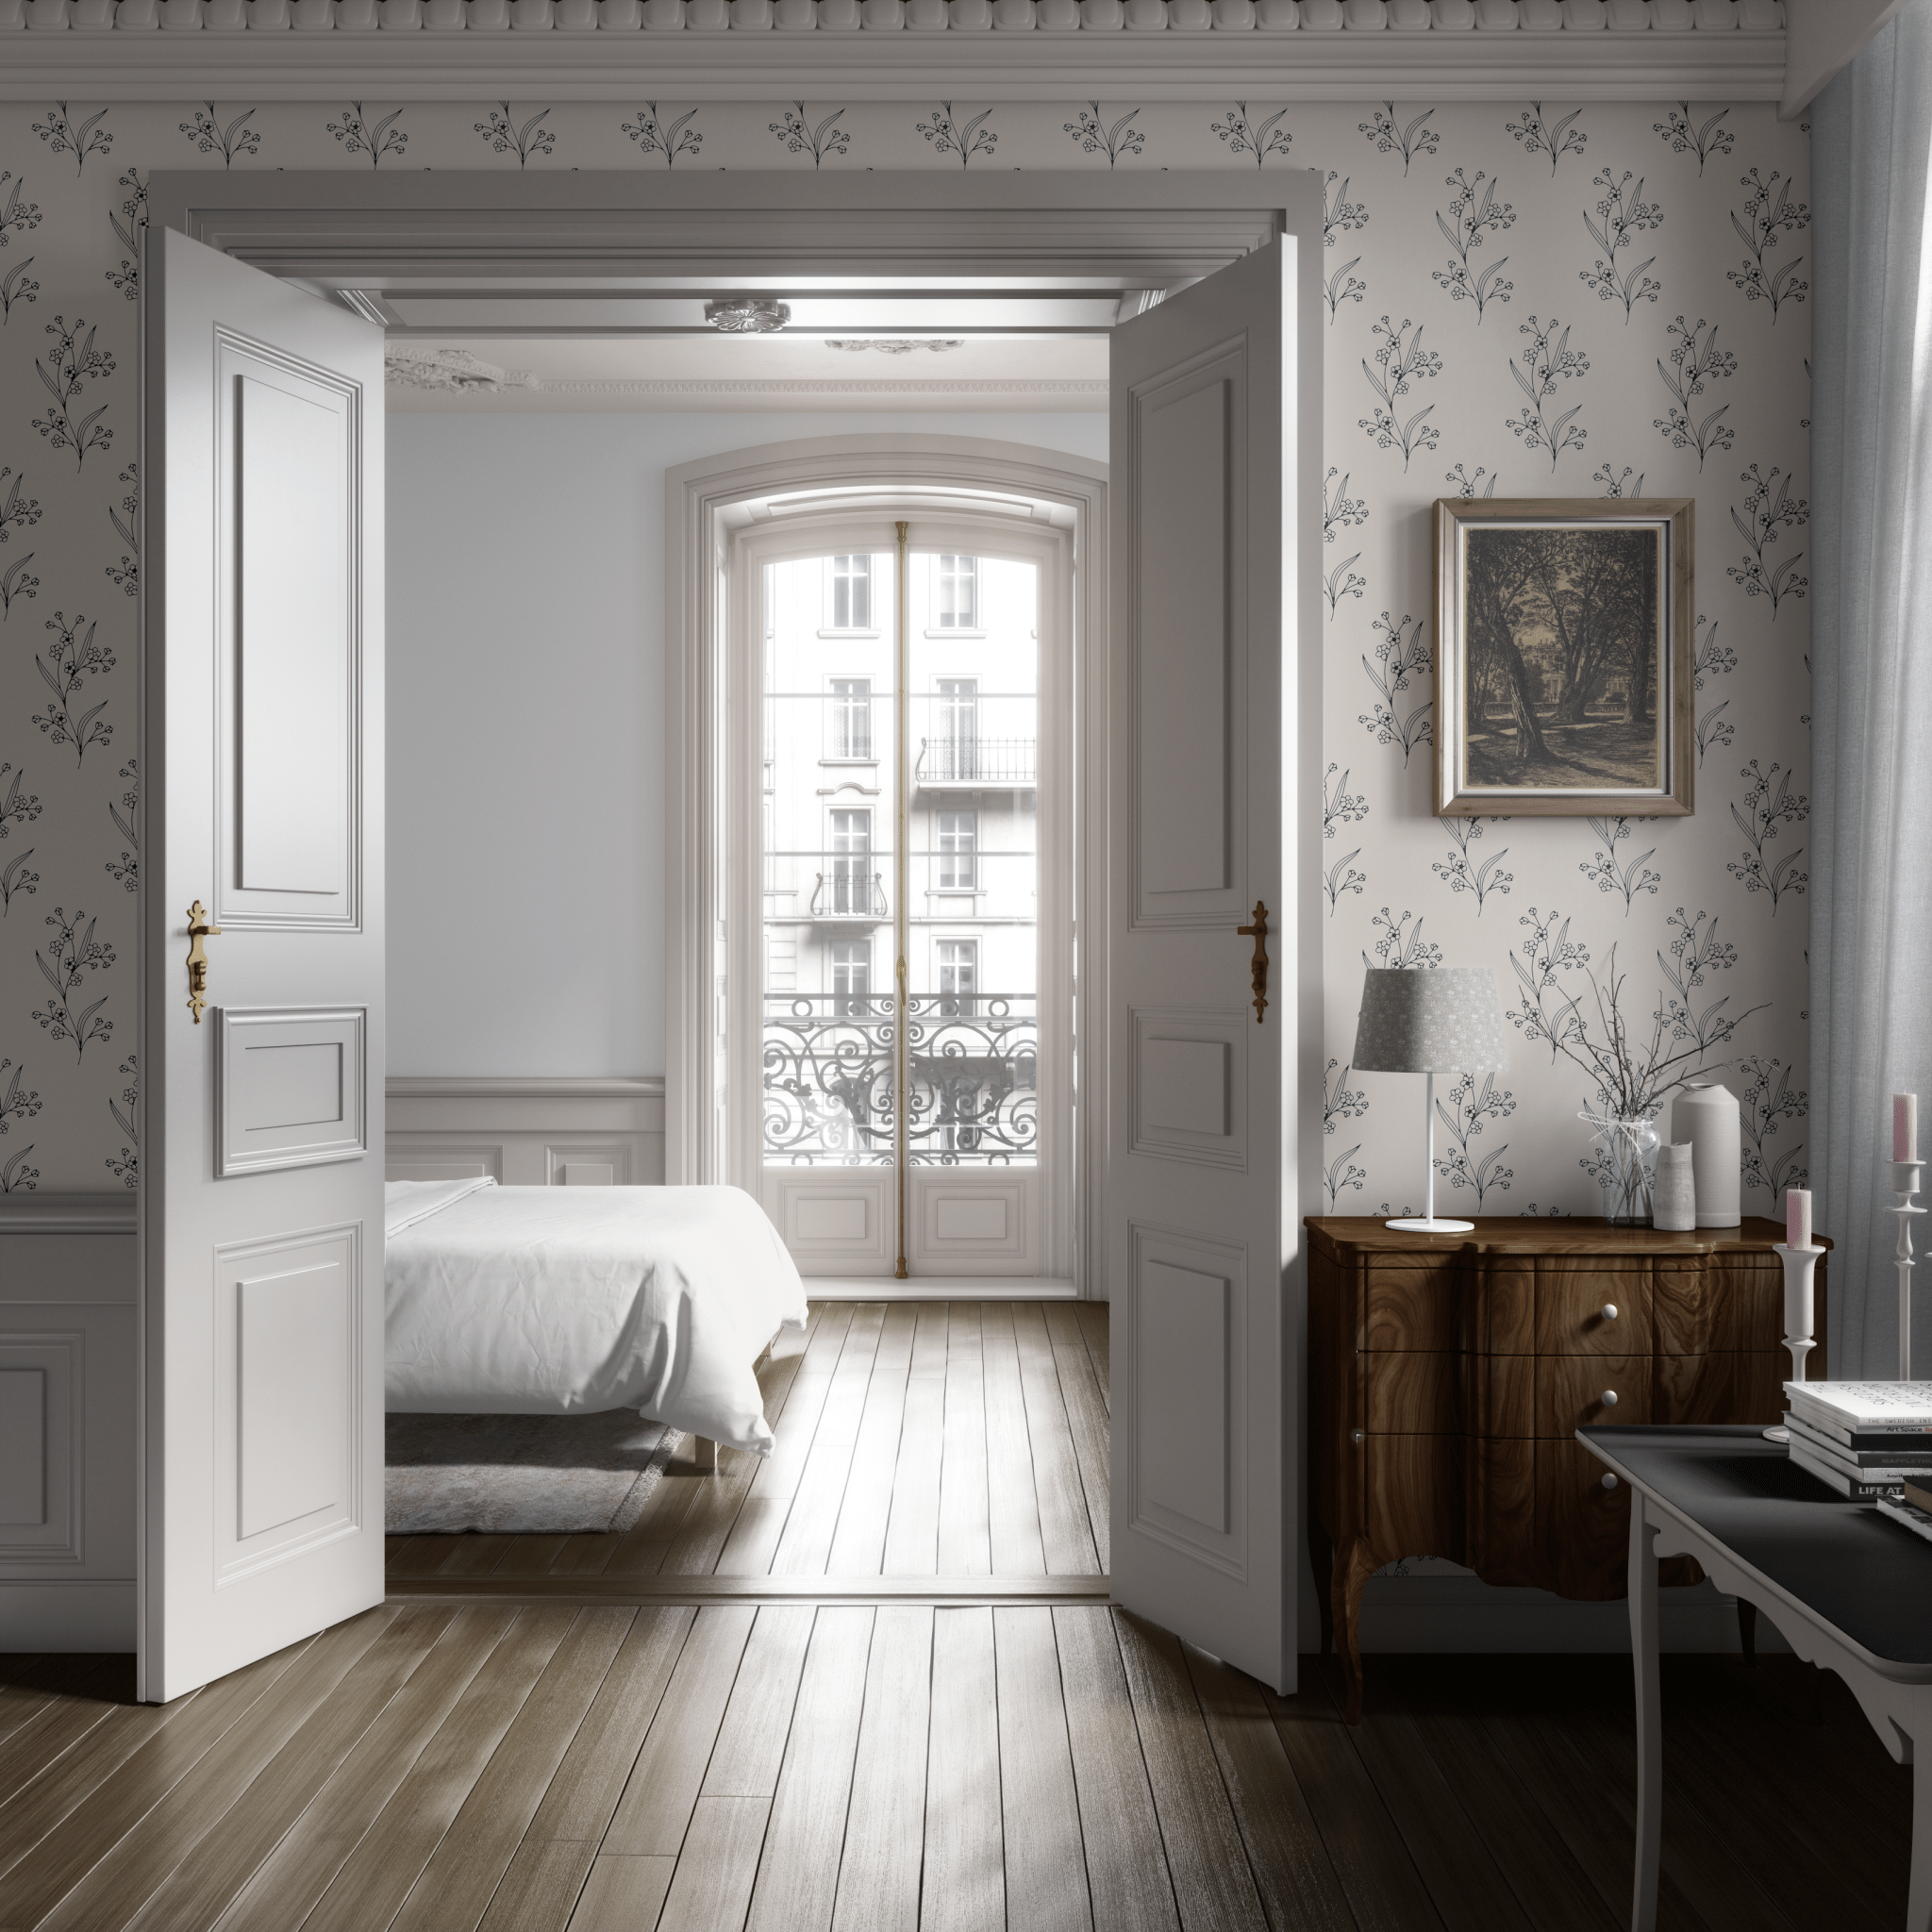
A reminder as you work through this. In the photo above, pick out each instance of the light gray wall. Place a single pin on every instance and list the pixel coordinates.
(527, 724)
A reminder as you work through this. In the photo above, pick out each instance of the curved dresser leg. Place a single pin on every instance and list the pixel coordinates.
(1354, 1566)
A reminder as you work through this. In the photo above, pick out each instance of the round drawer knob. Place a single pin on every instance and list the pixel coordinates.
(1609, 1482)
(1608, 1398)
(1609, 1312)
(1357, 1435)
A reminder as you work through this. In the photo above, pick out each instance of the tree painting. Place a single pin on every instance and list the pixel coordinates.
(1562, 661)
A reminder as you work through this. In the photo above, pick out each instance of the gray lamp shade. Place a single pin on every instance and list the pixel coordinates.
(1448, 1020)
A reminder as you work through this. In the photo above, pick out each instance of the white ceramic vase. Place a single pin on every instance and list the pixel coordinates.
(1707, 1116)
(1674, 1194)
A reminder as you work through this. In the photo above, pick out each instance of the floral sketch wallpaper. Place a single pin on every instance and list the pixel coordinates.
(1520, 298)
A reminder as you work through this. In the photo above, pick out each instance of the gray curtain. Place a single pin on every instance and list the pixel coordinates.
(1872, 671)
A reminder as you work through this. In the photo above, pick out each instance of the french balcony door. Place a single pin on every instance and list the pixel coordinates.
(911, 891)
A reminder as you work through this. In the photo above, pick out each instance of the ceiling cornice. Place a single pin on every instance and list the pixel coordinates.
(1745, 64)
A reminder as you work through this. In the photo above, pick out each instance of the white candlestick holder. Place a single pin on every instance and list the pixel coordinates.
(1904, 1184)
(1799, 1264)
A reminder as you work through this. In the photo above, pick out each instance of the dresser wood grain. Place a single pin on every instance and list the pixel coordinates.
(1447, 1375)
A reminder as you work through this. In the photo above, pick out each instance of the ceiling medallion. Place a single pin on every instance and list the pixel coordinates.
(455, 370)
(895, 345)
(745, 315)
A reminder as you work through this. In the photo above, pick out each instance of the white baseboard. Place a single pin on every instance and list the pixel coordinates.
(66, 1616)
(1463, 1614)
(939, 1287)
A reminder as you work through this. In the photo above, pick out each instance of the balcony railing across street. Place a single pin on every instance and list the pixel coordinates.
(976, 761)
(973, 1092)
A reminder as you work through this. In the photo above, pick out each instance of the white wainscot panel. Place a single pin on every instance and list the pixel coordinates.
(1187, 1304)
(291, 1087)
(834, 1223)
(1189, 1086)
(527, 1133)
(288, 1354)
(959, 1217)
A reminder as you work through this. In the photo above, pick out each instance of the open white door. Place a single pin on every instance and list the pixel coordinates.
(262, 772)
(1212, 711)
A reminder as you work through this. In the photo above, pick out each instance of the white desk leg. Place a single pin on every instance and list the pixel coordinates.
(1919, 1900)
(1650, 1741)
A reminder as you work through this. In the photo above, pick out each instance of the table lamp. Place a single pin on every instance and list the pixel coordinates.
(1439, 1021)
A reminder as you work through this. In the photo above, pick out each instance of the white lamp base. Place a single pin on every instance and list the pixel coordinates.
(1431, 1226)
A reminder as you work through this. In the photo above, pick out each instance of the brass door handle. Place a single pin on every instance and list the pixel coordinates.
(1258, 933)
(198, 930)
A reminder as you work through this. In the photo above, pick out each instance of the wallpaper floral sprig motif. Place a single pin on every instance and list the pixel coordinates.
(1519, 299)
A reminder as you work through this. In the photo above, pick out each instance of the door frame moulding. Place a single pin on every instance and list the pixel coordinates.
(717, 536)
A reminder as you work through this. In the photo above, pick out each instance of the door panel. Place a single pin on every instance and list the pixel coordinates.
(261, 1205)
(1209, 735)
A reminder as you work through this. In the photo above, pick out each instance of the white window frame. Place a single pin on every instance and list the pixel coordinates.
(722, 533)
(946, 858)
(937, 626)
(832, 627)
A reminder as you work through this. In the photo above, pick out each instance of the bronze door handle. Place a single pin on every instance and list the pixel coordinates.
(198, 930)
(1258, 933)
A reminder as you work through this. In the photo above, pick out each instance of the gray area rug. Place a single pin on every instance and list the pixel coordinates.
(521, 1475)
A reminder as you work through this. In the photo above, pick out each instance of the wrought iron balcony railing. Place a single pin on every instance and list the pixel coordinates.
(976, 761)
(972, 1094)
(846, 892)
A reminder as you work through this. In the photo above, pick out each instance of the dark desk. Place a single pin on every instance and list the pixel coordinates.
(1850, 1589)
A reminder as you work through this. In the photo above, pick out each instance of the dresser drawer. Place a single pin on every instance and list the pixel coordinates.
(1573, 1300)
(1412, 1308)
(1570, 1392)
(1733, 1302)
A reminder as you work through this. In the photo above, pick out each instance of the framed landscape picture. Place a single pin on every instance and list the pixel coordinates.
(1563, 678)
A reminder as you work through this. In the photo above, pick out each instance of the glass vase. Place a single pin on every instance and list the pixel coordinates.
(1624, 1159)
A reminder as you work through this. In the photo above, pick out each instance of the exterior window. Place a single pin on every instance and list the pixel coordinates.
(851, 978)
(956, 714)
(851, 705)
(958, 842)
(852, 863)
(958, 976)
(851, 594)
(956, 582)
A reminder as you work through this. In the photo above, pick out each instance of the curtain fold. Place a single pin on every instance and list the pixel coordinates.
(1870, 926)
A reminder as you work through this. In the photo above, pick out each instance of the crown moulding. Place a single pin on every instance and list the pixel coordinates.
(1192, 57)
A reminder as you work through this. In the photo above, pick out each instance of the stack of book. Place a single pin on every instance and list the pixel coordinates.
(1866, 1440)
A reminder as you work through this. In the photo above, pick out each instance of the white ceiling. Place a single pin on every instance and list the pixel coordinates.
(580, 373)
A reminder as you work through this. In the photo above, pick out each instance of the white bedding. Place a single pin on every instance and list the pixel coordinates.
(557, 1301)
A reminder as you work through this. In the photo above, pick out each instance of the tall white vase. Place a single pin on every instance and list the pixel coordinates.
(1707, 1116)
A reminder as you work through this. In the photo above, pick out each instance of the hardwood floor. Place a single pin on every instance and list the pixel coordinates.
(848, 1750)
(951, 1440)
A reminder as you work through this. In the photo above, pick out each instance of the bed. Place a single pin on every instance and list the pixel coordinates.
(561, 1301)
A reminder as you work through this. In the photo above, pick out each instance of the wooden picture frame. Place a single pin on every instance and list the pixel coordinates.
(1564, 655)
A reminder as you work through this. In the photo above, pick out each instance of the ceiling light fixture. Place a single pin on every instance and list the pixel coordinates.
(745, 315)
(895, 345)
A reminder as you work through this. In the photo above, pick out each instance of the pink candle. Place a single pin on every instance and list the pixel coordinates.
(1904, 1126)
(1797, 1217)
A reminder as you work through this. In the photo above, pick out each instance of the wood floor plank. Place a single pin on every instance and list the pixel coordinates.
(912, 1530)
(301, 1867)
(29, 1684)
(1095, 1330)
(1289, 1864)
(1046, 1875)
(475, 1555)
(858, 1545)
(712, 1887)
(1373, 1863)
(201, 1888)
(1064, 1527)
(541, 1890)
(1087, 1417)
(845, 1400)
(369, 1888)
(751, 1741)
(56, 1725)
(1126, 1871)
(457, 1883)
(663, 1786)
(641, 1549)
(885, 1830)
(583, 1795)
(530, 1556)
(1212, 1886)
(1012, 1505)
(965, 1546)
(586, 1554)
(393, 1548)
(798, 1873)
(421, 1555)
(623, 1894)
(805, 1545)
(964, 1884)
(165, 1826)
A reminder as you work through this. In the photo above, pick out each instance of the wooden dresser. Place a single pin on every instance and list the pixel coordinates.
(1447, 1374)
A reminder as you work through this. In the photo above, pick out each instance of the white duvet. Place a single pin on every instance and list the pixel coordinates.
(545, 1301)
